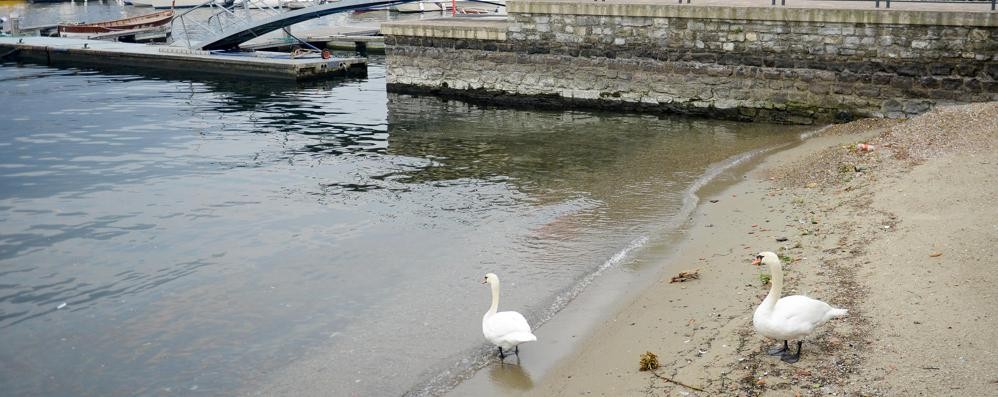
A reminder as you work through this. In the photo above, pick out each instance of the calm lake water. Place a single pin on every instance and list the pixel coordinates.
(173, 237)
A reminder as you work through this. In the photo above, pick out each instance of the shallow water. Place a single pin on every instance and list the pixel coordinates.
(165, 236)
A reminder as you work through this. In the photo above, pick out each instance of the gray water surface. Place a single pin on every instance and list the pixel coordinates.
(165, 236)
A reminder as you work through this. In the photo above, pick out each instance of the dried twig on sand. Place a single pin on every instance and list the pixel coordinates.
(675, 381)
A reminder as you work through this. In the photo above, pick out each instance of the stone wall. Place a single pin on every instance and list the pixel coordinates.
(717, 61)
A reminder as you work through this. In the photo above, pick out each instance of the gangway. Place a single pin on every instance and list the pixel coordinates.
(240, 29)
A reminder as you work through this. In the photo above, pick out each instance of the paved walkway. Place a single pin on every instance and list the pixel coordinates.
(826, 4)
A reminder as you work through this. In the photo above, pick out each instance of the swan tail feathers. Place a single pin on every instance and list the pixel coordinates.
(836, 313)
(522, 337)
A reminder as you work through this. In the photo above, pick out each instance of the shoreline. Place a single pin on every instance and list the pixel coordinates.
(840, 227)
(607, 290)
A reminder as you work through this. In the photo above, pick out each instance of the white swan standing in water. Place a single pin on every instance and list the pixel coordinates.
(504, 329)
(790, 317)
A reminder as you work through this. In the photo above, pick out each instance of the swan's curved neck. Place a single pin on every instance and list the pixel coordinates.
(776, 278)
(495, 297)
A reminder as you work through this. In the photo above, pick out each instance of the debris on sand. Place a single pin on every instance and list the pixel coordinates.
(686, 276)
(649, 361)
(936, 254)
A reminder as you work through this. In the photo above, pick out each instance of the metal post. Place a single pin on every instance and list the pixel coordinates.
(876, 4)
(888, 3)
(992, 5)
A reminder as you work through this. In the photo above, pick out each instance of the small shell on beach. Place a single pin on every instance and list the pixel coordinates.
(936, 254)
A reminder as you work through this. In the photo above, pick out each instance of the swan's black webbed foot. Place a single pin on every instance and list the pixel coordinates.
(792, 358)
(501, 355)
(779, 350)
(517, 350)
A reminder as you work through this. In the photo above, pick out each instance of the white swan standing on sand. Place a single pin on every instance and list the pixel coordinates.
(790, 317)
(504, 329)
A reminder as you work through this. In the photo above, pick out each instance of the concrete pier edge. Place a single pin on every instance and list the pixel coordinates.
(789, 65)
(139, 57)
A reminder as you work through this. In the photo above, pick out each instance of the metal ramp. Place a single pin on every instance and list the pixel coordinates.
(226, 29)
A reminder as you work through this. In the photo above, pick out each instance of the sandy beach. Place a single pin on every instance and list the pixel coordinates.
(902, 235)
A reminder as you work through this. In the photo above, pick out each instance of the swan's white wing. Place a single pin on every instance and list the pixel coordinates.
(504, 323)
(800, 313)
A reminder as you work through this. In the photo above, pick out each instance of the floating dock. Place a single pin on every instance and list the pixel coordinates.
(96, 53)
(348, 38)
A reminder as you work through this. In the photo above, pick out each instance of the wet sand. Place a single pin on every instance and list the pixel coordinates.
(903, 236)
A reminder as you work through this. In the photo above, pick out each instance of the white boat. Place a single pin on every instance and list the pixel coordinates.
(463, 6)
(259, 3)
(167, 3)
(195, 3)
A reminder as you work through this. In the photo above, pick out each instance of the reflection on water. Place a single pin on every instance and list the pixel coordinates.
(163, 236)
(511, 378)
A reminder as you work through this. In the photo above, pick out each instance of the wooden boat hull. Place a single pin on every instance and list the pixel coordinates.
(155, 19)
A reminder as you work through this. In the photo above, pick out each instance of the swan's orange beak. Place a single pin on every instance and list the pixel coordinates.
(485, 280)
(757, 261)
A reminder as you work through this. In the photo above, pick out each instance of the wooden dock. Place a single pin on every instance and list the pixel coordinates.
(97, 53)
(360, 39)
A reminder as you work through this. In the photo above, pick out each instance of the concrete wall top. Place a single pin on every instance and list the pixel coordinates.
(450, 28)
(811, 11)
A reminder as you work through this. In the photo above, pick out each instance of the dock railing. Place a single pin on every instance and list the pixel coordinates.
(226, 17)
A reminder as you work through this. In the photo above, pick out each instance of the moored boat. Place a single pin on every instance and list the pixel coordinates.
(167, 3)
(155, 19)
(463, 6)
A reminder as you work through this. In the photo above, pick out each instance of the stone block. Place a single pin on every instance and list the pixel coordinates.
(916, 107)
(973, 85)
(978, 35)
(842, 88)
(966, 69)
(830, 31)
(635, 21)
